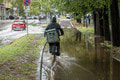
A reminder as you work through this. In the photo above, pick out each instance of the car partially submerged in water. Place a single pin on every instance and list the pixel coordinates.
(19, 25)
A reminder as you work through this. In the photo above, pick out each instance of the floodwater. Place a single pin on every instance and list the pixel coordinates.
(81, 61)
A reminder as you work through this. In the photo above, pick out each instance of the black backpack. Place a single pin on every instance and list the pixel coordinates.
(52, 36)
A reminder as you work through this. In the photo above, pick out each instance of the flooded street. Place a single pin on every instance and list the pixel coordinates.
(78, 63)
(81, 60)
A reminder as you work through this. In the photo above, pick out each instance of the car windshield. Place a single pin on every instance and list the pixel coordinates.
(18, 22)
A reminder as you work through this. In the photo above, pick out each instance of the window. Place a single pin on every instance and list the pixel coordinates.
(18, 22)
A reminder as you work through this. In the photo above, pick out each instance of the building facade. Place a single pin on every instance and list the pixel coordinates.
(2, 11)
(5, 10)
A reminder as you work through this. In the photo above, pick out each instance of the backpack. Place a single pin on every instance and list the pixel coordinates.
(52, 36)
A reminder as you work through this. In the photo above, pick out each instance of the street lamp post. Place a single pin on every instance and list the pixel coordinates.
(26, 3)
(27, 10)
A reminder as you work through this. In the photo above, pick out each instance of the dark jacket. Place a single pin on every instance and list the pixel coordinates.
(56, 26)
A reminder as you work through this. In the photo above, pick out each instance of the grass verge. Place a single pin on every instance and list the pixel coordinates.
(89, 30)
(41, 25)
(18, 59)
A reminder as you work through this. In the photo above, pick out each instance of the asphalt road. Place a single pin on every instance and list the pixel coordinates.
(8, 35)
(65, 23)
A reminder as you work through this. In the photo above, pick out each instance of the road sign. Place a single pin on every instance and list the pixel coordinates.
(27, 9)
(26, 2)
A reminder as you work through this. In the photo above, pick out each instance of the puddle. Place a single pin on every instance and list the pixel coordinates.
(81, 61)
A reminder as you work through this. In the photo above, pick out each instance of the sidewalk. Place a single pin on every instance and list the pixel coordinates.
(4, 23)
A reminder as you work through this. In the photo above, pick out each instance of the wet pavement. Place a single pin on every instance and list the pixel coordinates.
(8, 35)
(81, 61)
(65, 23)
(79, 64)
(4, 24)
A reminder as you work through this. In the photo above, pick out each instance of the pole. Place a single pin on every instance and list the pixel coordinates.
(26, 12)
(26, 3)
(27, 23)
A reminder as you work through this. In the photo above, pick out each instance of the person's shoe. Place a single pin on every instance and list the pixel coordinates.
(50, 51)
(58, 53)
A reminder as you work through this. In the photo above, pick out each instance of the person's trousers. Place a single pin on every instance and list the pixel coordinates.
(58, 47)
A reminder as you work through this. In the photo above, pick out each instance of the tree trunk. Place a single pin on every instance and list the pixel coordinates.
(94, 18)
(101, 22)
(106, 25)
(115, 23)
(78, 19)
(98, 23)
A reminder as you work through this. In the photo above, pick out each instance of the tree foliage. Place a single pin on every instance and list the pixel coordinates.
(80, 6)
(35, 7)
(1, 1)
(19, 5)
(38, 6)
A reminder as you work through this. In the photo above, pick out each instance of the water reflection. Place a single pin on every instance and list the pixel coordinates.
(101, 60)
(83, 61)
(116, 69)
(95, 61)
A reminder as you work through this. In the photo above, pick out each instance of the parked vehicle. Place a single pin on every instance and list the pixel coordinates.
(30, 17)
(42, 16)
(11, 17)
(21, 17)
(16, 17)
(35, 17)
(68, 16)
(19, 25)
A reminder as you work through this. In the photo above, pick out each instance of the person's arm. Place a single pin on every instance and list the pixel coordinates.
(45, 30)
(45, 33)
(61, 30)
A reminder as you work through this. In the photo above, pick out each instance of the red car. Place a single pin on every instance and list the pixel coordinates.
(19, 25)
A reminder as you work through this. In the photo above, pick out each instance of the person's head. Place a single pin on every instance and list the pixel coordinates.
(54, 19)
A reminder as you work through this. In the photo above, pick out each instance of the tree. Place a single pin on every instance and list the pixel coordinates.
(100, 10)
(35, 8)
(1, 1)
(41, 6)
(80, 7)
(115, 23)
(19, 5)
